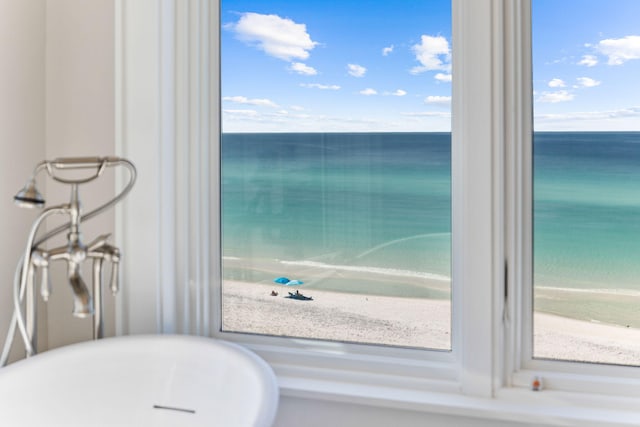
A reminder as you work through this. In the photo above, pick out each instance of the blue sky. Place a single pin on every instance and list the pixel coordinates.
(586, 72)
(364, 66)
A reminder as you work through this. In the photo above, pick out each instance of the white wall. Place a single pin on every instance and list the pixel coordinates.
(80, 121)
(296, 412)
(56, 100)
(22, 129)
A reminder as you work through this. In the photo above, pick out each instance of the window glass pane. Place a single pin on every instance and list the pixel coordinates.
(336, 160)
(586, 63)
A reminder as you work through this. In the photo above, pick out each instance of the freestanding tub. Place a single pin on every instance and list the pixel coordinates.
(159, 380)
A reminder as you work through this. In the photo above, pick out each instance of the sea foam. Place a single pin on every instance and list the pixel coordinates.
(368, 269)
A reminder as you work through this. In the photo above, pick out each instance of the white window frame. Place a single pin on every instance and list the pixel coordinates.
(474, 167)
(168, 103)
(556, 375)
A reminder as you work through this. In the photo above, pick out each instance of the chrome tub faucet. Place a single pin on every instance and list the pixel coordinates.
(36, 259)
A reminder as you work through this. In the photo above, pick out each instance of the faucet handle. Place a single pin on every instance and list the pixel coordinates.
(40, 259)
(99, 242)
(115, 281)
(114, 257)
(45, 283)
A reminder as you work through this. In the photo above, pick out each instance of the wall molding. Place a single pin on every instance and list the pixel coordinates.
(166, 122)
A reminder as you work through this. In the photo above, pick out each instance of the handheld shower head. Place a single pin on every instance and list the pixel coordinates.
(29, 196)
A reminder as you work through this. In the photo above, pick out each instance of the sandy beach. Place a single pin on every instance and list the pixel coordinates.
(412, 322)
(564, 338)
(421, 322)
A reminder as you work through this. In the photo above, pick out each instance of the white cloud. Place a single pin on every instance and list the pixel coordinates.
(587, 82)
(621, 119)
(320, 86)
(433, 53)
(356, 70)
(428, 114)
(368, 91)
(555, 97)
(283, 121)
(245, 100)
(303, 69)
(588, 61)
(445, 78)
(297, 108)
(418, 121)
(438, 100)
(621, 50)
(387, 50)
(278, 37)
(242, 113)
(398, 92)
(557, 83)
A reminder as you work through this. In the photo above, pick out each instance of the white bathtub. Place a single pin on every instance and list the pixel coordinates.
(160, 380)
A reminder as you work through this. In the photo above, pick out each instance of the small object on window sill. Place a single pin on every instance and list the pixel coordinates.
(536, 384)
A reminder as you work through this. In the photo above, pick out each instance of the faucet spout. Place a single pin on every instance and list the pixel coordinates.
(82, 301)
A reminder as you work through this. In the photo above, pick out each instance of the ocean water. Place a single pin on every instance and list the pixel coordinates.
(371, 213)
(374, 208)
(587, 226)
(587, 210)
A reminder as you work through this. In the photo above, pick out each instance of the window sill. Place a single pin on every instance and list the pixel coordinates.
(543, 408)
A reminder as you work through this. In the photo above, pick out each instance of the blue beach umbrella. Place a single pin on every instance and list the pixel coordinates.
(282, 280)
(294, 282)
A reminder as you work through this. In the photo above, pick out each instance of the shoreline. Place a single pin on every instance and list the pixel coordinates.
(594, 306)
(610, 306)
(340, 279)
(407, 322)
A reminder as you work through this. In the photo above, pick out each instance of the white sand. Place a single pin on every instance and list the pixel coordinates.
(559, 337)
(411, 322)
(337, 316)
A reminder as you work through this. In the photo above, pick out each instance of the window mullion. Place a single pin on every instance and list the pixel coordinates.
(477, 176)
(518, 183)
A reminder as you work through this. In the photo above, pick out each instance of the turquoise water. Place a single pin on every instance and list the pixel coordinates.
(373, 211)
(587, 210)
(375, 203)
